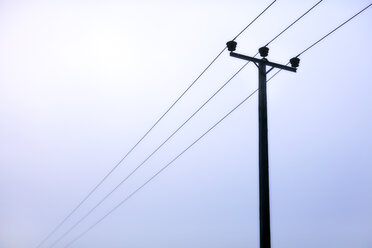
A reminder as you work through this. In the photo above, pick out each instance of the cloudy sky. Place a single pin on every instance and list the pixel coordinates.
(82, 81)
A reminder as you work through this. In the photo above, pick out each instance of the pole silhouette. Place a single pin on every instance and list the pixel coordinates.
(264, 194)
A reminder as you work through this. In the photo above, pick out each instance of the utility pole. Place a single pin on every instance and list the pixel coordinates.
(264, 197)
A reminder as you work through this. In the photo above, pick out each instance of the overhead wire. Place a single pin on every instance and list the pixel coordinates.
(323, 37)
(173, 160)
(160, 171)
(127, 154)
(339, 26)
(146, 159)
(254, 20)
(99, 203)
(147, 132)
(299, 18)
(166, 140)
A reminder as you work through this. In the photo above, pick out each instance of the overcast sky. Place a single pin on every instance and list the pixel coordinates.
(82, 81)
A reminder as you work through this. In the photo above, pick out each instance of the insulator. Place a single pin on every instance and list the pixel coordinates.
(231, 45)
(295, 62)
(264, 51)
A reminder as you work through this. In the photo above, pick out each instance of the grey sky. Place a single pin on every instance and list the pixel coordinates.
(81, 82)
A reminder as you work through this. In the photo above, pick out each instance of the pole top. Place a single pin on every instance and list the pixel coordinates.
(231, 45)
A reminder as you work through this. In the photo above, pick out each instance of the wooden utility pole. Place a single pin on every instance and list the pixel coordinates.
(262, 132)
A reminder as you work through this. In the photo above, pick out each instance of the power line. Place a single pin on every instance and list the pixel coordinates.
(160, 171)
(144, 161)
(127, 154)
(148, 131)
(180, 154)
(254, 19)
(325, 36)
(166, 140)
(299, 18)
(342, 24)
(147, 158)
(127, 198)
